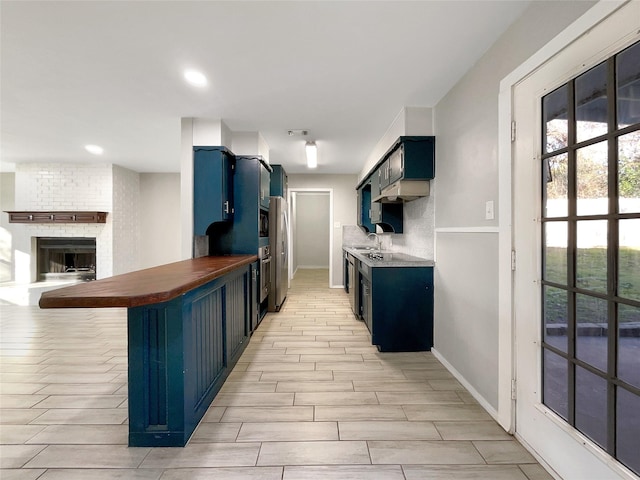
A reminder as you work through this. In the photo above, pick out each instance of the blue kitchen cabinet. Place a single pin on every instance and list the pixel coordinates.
(387, 216)
(180, 353)
(279, 182)
(409, 158)
(396, 304)
(244, 235)
(364, 208)
(213, 169)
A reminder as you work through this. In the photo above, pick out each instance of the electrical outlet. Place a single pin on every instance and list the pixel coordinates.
(488, 210)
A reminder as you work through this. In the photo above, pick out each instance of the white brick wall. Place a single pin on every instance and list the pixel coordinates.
(91, 187)
(63, 186)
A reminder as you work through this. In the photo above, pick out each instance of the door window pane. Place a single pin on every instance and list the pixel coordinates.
(629, 171)
(592, 179)
(555, 317)
(556, 379)
(555, 252)
(555, 119)
(629, 259)
(591, 103)
(628, 85)
(628, 431)
(591, 406)
(591, 330)
(591, 255)
(629, 345)
(590, 185)
(556, 186)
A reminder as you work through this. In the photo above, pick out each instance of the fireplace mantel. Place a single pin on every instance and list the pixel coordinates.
(57, 217)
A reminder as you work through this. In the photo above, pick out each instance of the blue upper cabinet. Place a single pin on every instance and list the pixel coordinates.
(414, 158)
(409, 158)
(381, 195)
(371, 214)
(213, 169)
(279, 182)
(364, 208)
(244, 235)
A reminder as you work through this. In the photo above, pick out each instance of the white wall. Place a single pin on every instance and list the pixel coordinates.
(159, 219)
(7, 201)
(312, 230)
(344, 209)
(250, 143)
(466, 128)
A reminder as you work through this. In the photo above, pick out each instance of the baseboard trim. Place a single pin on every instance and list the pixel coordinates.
(474, 393)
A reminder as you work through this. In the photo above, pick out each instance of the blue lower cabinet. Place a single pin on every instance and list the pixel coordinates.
(180, 353)
(397, 306)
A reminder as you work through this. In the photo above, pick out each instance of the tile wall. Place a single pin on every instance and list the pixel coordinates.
(417, 238)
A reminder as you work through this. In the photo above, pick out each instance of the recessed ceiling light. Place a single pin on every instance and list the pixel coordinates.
(95, 149)
(195, 78)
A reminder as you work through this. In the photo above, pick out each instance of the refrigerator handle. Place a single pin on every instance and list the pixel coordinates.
(285, 241)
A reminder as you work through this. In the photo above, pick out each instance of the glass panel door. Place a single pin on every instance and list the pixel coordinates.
(590, 170)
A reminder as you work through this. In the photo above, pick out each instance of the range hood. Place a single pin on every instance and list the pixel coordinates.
(404, 191)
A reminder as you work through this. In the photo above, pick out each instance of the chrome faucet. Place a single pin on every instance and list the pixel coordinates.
(378, 240)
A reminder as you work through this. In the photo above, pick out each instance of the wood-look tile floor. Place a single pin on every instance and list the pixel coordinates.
(309, 399)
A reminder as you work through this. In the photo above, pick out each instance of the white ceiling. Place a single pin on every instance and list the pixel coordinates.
(110, 73)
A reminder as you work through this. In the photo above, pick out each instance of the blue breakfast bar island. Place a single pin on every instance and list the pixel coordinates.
(188, 323)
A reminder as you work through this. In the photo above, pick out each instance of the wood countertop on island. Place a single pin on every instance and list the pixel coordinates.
(145, 287)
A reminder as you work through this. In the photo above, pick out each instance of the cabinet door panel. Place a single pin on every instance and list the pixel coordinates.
(364, 208)
(212, 187)
(236, 314)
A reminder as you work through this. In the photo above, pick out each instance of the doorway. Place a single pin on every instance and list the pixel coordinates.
(558, 385)
(311, 245)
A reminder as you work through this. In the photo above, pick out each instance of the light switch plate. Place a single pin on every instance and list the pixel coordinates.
(336, 224)
(488, 210)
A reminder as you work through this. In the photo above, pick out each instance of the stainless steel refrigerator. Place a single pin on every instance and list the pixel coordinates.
(279, 243)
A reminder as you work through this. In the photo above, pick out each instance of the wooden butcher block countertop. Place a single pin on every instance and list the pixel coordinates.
(145, 287)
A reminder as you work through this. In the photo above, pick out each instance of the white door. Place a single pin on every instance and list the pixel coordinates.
(572, 454)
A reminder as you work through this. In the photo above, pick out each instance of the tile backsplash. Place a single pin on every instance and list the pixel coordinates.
(417, 237)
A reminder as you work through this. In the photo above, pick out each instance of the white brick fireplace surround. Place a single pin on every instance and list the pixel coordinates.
(78, 187)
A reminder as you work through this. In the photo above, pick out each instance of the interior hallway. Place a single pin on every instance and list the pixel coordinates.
(309, 399)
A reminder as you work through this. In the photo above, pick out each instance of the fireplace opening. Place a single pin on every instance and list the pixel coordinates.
(66, 258)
